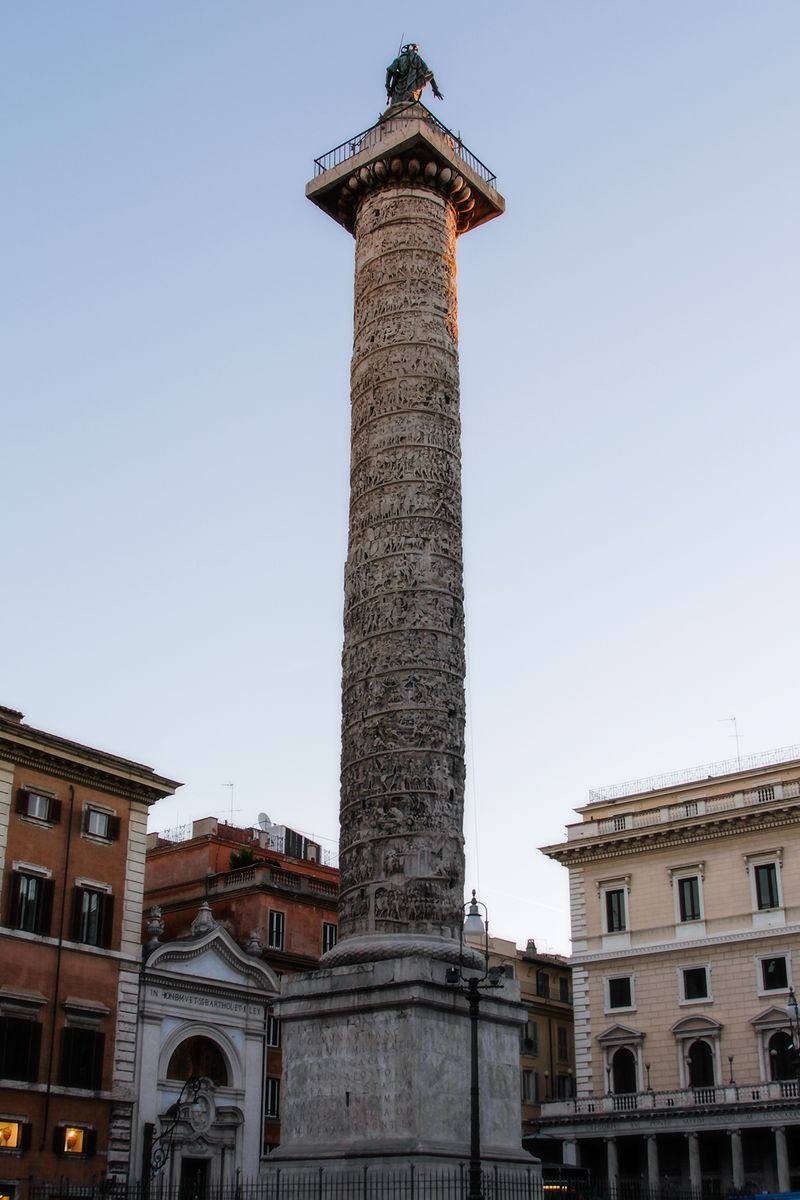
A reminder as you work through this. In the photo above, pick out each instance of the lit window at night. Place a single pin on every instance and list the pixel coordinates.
(73, 1140)
(10, 1135)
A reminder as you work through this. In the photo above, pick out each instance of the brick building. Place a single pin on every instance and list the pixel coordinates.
(72, 844)
(280, 904)
(685, 898)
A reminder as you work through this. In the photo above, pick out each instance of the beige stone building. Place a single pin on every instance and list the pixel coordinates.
(685, 900)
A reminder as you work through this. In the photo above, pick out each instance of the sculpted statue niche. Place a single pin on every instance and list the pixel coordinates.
(407, 76)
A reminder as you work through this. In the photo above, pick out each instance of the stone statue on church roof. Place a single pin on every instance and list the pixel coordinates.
(407, 76)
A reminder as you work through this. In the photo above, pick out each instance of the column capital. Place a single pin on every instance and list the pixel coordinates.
(408, 148)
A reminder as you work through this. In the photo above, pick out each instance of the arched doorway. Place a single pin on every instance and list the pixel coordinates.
(623, 1071)
(782, 1056)
(700, 1061)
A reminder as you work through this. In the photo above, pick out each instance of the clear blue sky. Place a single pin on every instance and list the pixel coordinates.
(174, 350)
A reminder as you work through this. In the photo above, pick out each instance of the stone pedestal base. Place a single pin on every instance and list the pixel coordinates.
(377, 1070)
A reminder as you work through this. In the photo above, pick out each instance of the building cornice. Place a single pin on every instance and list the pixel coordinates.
(696, 830)
(70, 761)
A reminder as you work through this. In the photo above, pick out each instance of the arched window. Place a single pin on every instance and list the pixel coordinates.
(198, 1057)
(781, 1056)
(700, 1061)
(623, 1071)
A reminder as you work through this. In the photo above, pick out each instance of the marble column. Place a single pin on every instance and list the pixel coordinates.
(571, 1154)
(695, 1173)
(376, 1043)
(737, 1159)
(653, 1178)
(612, 1166)
(782, 1159)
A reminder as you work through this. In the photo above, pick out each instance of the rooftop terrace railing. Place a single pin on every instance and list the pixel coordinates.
(725, 766)
(679, 1099)
(372, 137)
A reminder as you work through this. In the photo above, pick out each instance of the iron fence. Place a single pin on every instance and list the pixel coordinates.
(411, 1182)
(370, 138)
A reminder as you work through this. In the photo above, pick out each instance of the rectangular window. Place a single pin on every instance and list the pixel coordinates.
(543, 985)
(31, 905)
(774, 974)
(276, 927)
(273, 1032)
(616, 921)
(620, 992)
(329, 936)
(530, 1038)
(74, 1139)
(82, 1058)
(689, 898)
(562, 1044)
(14, 1135)
(695, 983)
(101, 824)
(92, 916)
(20, 1043)
(529, 1087)
(38, 807)
(766, 881)
(564, 1087)
(272, 1107)
(563, 989)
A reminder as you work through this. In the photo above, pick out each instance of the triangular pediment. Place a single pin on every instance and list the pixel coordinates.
(771, 1018)
(618, 1034)
(695, 1025)
(213, 957)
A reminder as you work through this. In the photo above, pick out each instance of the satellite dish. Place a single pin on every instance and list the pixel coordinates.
(263, 821)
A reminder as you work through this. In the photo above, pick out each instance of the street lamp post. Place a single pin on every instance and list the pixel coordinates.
(156, 1150)
(471, 985)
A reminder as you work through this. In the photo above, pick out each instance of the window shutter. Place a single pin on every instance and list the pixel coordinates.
(67, 1042)
(90, 1141)
(13, 900)
(34, 1047)
(99, 1041)
(58, 1139)
(25, 1137)
(22, 802)
(107, 918)
(54, 811)
(77, 905)
(113, 828)
(45, 914)
(85, 820)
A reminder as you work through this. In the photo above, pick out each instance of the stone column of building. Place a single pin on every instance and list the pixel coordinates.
(782, 1159)
(737, 1159)
(612, 1166)
(376, 1043)
(571, 1153)
(695, 1173)
(653, 1176)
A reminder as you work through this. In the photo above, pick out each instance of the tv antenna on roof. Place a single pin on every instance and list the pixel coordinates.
(233, 810)
(735, 734)
(263, 821)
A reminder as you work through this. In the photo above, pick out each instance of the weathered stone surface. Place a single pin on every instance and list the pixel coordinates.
(401, 848)
(376, 1060)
